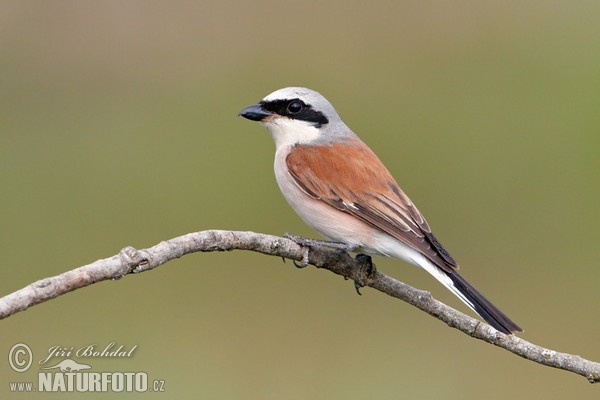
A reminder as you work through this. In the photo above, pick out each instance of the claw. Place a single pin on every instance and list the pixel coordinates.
(299, 265)
(357, 286)
(305, 260)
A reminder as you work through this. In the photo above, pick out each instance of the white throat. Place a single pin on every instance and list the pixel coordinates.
(290, 132)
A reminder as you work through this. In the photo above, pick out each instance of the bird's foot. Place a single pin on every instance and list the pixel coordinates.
(307, 243)
(366, 270)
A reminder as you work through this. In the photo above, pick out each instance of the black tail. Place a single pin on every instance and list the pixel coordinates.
(482, 306)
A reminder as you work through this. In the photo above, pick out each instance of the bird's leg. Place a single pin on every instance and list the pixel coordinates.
(307, 242)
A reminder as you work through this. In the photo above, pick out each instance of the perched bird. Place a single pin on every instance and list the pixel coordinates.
(339, 187)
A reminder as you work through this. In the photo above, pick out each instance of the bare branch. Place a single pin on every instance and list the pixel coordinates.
(130, 260)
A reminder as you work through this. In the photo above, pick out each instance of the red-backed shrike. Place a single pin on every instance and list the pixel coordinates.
(339, 187)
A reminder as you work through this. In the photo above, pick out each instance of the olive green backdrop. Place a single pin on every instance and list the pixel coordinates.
(118, 126)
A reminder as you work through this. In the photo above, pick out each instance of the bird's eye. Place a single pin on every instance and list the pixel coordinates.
(295, 107)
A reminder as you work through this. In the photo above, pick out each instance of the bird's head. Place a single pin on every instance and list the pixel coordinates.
(296, 115)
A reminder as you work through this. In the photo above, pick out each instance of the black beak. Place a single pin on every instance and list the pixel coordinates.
(255, 113)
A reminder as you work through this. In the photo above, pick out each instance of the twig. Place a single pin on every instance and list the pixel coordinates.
(130, 260)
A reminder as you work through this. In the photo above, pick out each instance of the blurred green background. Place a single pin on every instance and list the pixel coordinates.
(118, 127)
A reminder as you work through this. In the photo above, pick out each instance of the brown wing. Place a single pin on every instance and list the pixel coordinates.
(352, 179)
